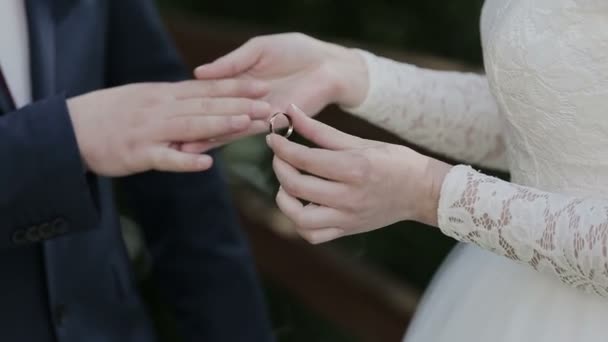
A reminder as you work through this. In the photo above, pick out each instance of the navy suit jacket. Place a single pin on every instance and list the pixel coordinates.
(64, 271)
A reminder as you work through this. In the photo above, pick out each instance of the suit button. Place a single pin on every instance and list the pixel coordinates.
(46, 231)
(32, 234)
(19, 237)
(59, 314)
(60, 226)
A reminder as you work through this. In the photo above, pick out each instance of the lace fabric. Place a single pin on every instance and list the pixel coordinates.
(450, 113)
(553, 233)
(540, 113)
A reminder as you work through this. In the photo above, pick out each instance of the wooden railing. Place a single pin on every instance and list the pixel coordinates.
(368, 304)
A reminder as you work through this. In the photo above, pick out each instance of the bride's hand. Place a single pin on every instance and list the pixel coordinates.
(353, 185)
(298, 68)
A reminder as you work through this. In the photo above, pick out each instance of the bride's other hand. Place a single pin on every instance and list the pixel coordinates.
(298, 68)
(353, 185)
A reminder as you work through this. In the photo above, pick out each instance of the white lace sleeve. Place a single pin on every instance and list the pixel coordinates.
(451, 113)
(563, 235)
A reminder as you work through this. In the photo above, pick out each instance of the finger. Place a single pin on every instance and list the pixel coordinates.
(319, 133)
(168, 159)
(232, 64)
(220, 88)
(193, 128)
(200, 146)
(256, 127)
(321, 235)
(309, 217)
(256, 109)
(309, 188)
(339, 166)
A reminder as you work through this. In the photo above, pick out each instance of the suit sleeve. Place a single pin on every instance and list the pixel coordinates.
(45, 193)
(202, 262)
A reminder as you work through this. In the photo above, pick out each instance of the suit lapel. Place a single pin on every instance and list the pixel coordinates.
(41, 26)
(6, 101)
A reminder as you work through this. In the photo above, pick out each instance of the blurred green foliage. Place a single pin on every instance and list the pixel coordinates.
(408, 252)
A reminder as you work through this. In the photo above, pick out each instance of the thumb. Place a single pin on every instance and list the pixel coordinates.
(319, 133)
(232, 64)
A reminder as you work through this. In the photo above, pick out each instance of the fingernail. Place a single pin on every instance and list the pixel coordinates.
(268, 140)
(296, 108)
(239, 121)
(326, 235)
(204, 161)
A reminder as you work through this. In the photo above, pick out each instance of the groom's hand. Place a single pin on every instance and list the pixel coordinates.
(133, 128)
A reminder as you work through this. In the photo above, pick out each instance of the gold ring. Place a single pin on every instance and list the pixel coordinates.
(289, 128)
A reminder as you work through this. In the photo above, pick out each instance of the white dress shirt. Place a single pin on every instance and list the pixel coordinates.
(14, 50)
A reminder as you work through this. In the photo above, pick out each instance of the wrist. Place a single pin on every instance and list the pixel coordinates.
(73, 112)
(349, 74)
(434, 175)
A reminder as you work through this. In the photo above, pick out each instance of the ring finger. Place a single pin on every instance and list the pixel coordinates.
(308, 187)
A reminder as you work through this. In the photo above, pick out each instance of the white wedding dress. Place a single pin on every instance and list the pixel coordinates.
(535, 267)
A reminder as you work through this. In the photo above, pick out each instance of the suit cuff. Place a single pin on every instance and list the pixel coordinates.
(48, 193)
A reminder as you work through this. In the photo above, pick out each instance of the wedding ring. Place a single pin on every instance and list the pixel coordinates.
(272, 126)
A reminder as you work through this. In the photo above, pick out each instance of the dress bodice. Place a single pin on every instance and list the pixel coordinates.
(546, 62)
(539, 113)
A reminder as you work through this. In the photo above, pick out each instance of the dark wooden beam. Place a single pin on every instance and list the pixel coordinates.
(367, 304)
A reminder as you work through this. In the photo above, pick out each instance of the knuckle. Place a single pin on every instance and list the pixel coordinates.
(206, 105)
(144, 115)
(300, 220)
(256, 41)
(212, 87)
(236, 85)
(130, 145)
(243, 87)
(238, 105)
(153, 160)
(307, 235)
(361, 170)
(129, 153)
(300, 157)
(292, 188)
(221, 87)
(158, 93)
(360, 202)
(250, 106)
(223, 125)
(353, 202)
(186, 127)
(295, 35)
(183, 124)
(350, 206)
(149, 101)
(340, 195)
(307, 223)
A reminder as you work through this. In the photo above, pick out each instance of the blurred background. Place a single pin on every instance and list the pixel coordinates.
(360, 288)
